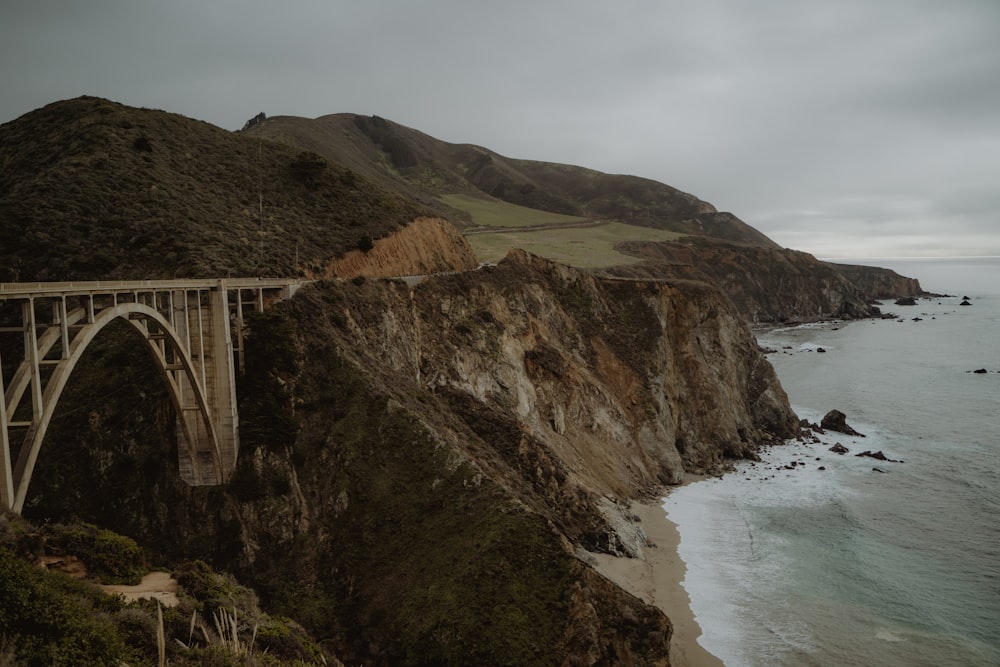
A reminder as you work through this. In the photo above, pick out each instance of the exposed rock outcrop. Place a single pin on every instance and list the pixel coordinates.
(879, 283)
(427, 245)
(473, 430)
(766, 284)
(835, 420)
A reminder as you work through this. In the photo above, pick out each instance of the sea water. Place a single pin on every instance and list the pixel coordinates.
(813, 558)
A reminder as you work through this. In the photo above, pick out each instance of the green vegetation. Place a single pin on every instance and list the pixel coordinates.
(496, 213)
(110, 558)
(54, 620)
(92, 189)
(409, 549)
(49, 619)
(585, 247)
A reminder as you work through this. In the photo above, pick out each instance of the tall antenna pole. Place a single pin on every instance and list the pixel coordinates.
(260, 201)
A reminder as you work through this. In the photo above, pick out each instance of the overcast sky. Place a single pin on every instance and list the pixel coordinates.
(855, 128)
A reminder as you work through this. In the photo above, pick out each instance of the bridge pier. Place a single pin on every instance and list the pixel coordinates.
(187, 327)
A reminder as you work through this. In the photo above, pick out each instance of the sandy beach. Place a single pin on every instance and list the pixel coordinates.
(656, 579)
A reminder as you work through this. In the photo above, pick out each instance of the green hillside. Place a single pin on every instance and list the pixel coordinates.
(95, 189)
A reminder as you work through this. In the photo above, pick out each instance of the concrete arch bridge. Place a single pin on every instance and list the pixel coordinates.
(192, 328)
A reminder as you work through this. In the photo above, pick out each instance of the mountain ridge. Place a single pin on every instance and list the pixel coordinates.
(414, 160)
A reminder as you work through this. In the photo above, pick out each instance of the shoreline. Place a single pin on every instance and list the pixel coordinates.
(657, 578)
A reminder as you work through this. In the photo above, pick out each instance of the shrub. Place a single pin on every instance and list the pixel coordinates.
(308, 168)
(110, 557)
(53, 620)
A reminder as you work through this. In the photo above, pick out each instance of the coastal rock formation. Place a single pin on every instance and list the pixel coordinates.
(765, 284)
(878, 455)
(835, 420)
(420, 466)
(879, 283)
(458, 441)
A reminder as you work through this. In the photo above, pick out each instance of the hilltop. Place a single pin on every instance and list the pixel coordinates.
(442, 174)
(95, 189)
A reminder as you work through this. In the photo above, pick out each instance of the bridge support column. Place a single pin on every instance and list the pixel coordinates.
(204, 320)
(6, 465)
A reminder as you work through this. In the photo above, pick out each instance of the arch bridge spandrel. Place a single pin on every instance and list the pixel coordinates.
(188, 327)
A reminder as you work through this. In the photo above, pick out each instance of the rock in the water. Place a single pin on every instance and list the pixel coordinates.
(980, 371)
(839, 449)
(877, 455)
(965, 302)
(820, 349)
(906, 301)
(835, 420)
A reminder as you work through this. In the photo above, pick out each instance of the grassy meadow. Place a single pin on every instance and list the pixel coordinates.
(572, 240)
(584, 247)
(496, 213)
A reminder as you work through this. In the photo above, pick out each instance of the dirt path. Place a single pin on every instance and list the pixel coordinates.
(535, 228)
(154, 586)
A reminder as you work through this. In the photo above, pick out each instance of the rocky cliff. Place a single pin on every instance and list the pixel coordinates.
(458, 442)
(421, 466)
(427, 245)
(771, 284)
(879, 283)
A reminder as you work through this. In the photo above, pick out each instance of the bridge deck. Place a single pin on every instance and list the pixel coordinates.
(27, 290)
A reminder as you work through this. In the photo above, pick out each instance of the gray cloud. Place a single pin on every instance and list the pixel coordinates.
(849, 129)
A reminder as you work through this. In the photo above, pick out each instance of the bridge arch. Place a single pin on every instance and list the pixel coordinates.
(139, 316)
(188, 327)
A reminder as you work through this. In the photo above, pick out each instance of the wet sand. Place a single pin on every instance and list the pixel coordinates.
(656, 579)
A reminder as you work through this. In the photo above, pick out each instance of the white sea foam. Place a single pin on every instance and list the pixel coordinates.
(887, 636)
(729, 560)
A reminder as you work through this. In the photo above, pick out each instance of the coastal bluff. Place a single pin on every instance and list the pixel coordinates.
(771, 285)
(422, 467)
(458, 442)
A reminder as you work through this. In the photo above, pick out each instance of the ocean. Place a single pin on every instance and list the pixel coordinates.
(813, 558)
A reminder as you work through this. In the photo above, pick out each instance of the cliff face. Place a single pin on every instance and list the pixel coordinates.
(458, 441)
(879, 283)
(427, 245)
(765, 284)
(583, 364)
